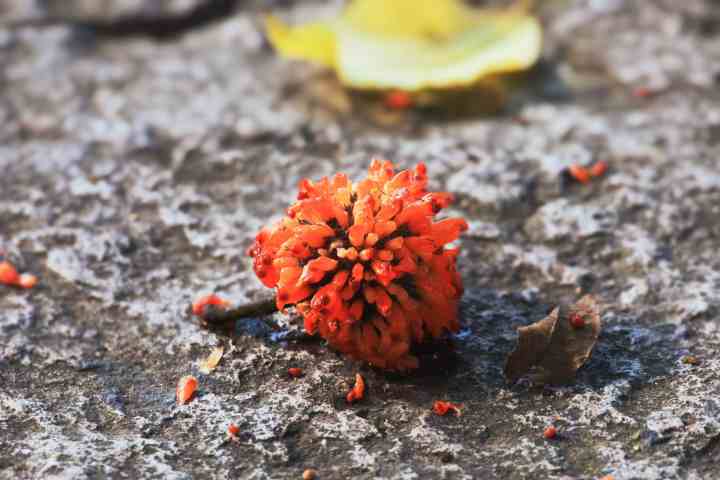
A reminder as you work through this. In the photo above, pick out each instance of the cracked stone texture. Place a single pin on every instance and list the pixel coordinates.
(135, 172)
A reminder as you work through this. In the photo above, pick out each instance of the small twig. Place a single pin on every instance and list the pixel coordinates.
(214, 315)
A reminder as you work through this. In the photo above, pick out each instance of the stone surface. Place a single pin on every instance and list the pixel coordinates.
(135, 172)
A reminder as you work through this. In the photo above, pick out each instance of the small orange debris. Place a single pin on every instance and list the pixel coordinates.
(579, 173)
(550, 433)
(577, 320)
(642, 92)
(358, 391)
(598, 169)
(233, 430)
(398, 100)
(8, 274)
(608, 477)
(585, 174)
(295, 372)
(441, 407)
(310, 474)
(186, 389)
(198, 307)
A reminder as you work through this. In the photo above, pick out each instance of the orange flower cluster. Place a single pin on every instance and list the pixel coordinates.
(365, 264)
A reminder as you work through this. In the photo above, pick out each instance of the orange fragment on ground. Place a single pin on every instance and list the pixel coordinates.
(198, 307)
(8, 274)
(295, 372)
(442, 408)
(358, 391)
(186, 389)
(598, 169)
(579, 173)
(233, 430)
(550, 433)
(398, 100)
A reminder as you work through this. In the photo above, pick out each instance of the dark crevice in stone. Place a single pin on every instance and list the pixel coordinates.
(161, 28)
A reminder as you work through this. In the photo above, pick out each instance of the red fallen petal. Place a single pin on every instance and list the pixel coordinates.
(198, 307)
(358, 390)
(579, 173)
(295, 372)
(186, 388)
(441, 408)
(8, 274)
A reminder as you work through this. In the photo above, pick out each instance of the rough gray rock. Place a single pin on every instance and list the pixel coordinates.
(135, 173)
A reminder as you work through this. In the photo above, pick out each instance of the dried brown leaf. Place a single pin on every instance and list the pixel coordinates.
(553, 349)
(212, 361)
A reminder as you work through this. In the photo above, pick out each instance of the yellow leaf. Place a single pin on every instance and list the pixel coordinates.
(414, 44)
(313, 42)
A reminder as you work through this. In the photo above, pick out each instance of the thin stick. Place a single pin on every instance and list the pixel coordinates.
(214, 315)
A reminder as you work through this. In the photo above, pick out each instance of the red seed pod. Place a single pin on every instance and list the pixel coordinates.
(366, 264)
(550, 433)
